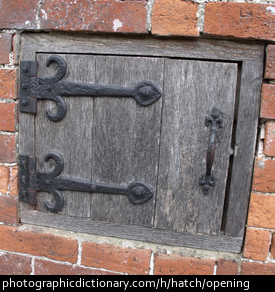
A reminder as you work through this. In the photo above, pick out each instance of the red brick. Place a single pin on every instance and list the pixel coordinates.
(4, 178)
(20, 14)
(269, 143)
(8, 210)
(175, 17)
(179, 265)
(270, 62)
(11, 264)
(40, 244)
(227, 267)
(13, 186)
(6, 47)
(7, 117)
(242, 20)
(98, 16)
(261, 211)
(268, 101)
(116, 258)
(254, 268)
(43, 267)
(264, 176)
(7, 148)
(7, 83)
(272, 249)
(256, 244)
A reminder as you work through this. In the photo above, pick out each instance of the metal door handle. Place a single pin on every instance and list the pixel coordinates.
(208, 180)
(53, 88)
(32, 181)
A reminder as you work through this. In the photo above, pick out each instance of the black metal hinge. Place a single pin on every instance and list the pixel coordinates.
(53, 88)
(32, 181)
(27, 102)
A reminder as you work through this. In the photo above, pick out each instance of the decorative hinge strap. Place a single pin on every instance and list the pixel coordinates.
(27, 100)
(53, 88)
(32, 181)
(26, 168)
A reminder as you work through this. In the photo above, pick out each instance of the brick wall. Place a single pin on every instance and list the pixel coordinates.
(26, 249)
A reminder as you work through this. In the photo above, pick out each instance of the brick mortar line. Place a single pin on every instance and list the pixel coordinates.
(255, 261)
(268, 120)
(8, 100)
(8, 133)
(32, 266)
(79, 255)
(2, 251)
(71, 264)
(233, 1)
(8, 66)
(152, 264)
(150, 5)
(266, 158)
(8, 195)
(261, 228)
(34, 258)
(263, 193)
(8, 164)
(38, 19)
(215, 268)
(201, 16)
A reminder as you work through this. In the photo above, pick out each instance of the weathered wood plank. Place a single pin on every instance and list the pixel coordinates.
(146, 46)
(139, 233)
(26, 130)
(71, 137)
(192, 89)
(125, 139)
(245, 141)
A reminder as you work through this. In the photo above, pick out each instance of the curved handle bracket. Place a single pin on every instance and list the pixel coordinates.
(207, 181)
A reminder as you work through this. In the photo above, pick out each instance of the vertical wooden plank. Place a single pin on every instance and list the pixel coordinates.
(246, 133)
(70, 137)
(26, 126)
(192, 89)
(26, 120)
(125, 139)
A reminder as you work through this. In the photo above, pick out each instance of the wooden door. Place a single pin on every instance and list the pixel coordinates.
(115, 140)
(104, 139)
(191, 90)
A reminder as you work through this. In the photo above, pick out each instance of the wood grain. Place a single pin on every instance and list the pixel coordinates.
(114, 140)
(125, 139)
(192, 89)
(71, 137)
(139, 233)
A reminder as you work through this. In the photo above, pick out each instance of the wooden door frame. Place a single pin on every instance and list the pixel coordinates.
(248, 55)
